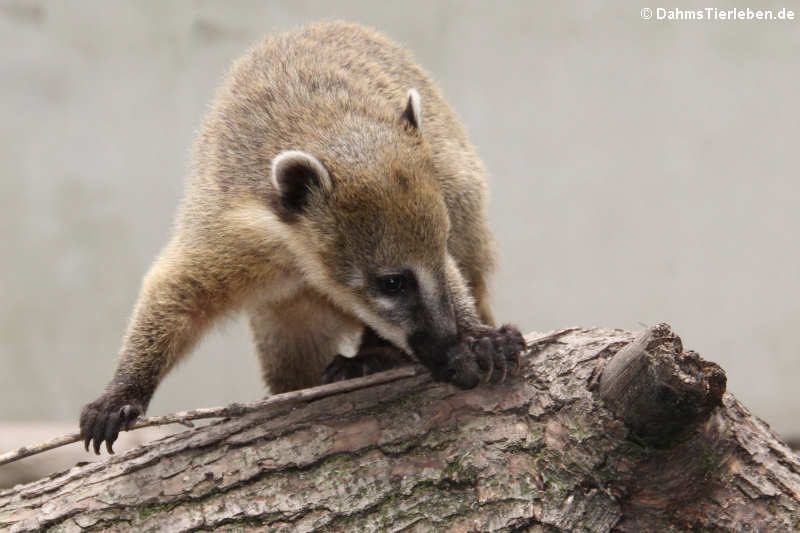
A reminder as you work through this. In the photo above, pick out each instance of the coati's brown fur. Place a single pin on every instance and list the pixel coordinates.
(335, 197)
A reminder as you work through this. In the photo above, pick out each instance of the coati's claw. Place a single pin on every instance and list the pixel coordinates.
(511, 345)
(463, 368)
(484, 356)
(103, 419)
(487, 355)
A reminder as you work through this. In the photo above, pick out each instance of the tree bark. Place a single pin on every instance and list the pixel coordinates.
(600, 431)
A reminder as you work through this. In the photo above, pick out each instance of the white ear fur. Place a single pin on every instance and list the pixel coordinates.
(413, 111)
(289, 158)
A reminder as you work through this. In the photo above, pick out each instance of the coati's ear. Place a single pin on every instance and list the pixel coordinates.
(294, 175)
(413, 111)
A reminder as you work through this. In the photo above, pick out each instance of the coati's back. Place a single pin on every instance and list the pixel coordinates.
(304, 86)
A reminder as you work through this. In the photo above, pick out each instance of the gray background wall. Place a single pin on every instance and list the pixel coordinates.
(641, 171)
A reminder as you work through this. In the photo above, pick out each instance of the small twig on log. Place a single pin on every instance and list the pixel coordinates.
(238, 409)
(548, 338)
(234, 409)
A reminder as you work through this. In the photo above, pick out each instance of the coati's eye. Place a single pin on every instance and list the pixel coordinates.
(392, 285)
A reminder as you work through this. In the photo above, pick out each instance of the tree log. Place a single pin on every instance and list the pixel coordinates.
(599, 431)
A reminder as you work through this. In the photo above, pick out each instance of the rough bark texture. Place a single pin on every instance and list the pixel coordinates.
(543, 452)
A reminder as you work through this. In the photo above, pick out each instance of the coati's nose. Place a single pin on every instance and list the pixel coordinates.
(431, 348)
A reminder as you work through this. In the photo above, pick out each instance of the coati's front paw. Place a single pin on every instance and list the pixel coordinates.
(104, 418)
(363, 364)
(487, 355)
(497, 352)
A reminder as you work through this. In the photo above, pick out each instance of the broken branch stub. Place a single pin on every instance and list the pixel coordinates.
(659, 390)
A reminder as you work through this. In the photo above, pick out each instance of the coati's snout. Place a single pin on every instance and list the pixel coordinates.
(419, 303)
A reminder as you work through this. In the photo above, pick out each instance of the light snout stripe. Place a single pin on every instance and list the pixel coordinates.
(427, 284)
(432, 292)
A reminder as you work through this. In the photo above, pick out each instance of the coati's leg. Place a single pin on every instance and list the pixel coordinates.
(180, 296)
(472, 252)
(480, 294)
(375, 354)
(298, 338)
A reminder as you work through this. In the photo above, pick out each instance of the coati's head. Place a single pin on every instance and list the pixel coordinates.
(371, 231)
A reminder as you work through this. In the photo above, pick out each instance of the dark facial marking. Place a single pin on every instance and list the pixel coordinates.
(402, 284)
(391, 285)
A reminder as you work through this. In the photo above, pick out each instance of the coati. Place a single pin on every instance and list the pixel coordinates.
(335, 198)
